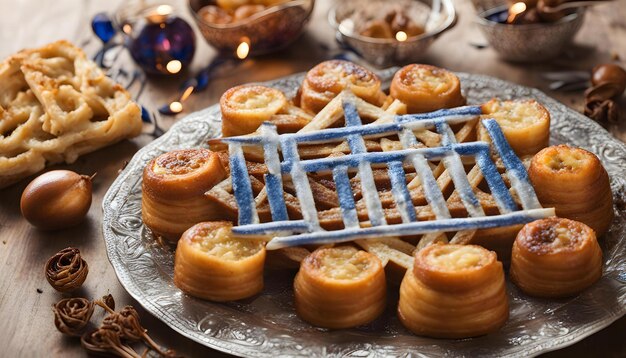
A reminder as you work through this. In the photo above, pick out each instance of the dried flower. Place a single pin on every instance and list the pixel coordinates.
(71, 315)
(106, 340)
(127, 323)
(107, 302)
(66, 271)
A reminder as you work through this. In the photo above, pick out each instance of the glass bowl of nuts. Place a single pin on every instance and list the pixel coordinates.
(388, 33)
(263, 25)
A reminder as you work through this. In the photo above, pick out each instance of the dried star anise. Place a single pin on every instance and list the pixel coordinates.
(604, 112)
(71, 315)
(66, 271)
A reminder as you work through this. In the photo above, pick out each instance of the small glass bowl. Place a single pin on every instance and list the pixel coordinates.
(529, 42)
(266, 31)
(385, 52)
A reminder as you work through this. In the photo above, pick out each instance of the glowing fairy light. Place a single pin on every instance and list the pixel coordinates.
(401, 36)
(242, 50)
(174, 66)
(176, 107)
(515, 10)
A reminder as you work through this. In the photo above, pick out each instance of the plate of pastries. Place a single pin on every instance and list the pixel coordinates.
(349, 212)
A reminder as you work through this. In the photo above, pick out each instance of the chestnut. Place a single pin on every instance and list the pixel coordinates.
(57, 199)
(609, 73)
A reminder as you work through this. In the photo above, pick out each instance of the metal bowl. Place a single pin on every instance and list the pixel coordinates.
(386, 52)
(266, 31)
(530, 42)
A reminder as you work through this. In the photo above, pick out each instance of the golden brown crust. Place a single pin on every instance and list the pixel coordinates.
(212, 265)
(182, 174)
(425, 88)
(340, 287)
(453, 291)
(173, 191)
(326, 80)
(574, 182)
(525, 123)
(555, 257)
(245, 107)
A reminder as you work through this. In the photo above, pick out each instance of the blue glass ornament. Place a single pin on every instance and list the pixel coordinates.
(159, 44)
(102, 26)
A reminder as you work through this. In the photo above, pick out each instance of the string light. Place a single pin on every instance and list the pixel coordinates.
(242, 50)
(174, 66)
(401, 36)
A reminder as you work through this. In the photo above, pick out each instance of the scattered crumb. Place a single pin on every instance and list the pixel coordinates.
(39, 290)
(4, 242)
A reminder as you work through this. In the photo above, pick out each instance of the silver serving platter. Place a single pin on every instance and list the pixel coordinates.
(267, 326)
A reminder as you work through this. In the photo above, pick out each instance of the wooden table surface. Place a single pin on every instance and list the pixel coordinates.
(27, 328)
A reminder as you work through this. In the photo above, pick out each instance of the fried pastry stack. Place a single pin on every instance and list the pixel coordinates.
(56, 105)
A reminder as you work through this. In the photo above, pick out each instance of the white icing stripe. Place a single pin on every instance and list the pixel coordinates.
(433, 194)
(301, 182)
(370, 194)
(413, 228)
(346, 197)
(273, 180)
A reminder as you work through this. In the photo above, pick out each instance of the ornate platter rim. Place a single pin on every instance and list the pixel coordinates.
(125, 232)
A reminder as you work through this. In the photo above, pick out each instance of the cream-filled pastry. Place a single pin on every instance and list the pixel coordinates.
(425, 88)
(453, 291)
(173, 188)
(555, 257)
(525, 123)
(326, 80)
(340, 287)
(574, 182)
(212, 264)
(245, 107)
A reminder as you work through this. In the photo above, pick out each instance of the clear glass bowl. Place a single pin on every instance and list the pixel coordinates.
(266, 31)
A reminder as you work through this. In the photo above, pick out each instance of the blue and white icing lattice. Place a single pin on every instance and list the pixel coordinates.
(307, 230)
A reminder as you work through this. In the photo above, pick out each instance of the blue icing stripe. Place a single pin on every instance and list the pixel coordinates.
(346, 197)
(515, 168)
(272, 227)
(450, 112)
(274, 188)
(400, 191)
(510, 160)
(242, 186)
(500, 192)
(413, 228)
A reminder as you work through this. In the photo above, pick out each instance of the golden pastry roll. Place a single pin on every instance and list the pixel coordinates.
(525, 124)
(555, 257)
(245, 107)
(574, 182)
(213, 265)
(425, 88)
(340, 287)
(326, 80)
(454, 291)
(173, 190)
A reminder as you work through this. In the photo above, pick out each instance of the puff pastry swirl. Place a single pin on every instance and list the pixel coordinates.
(555, 257)
(173, 187)
(340, 287)
(212, 264)
(453, 291)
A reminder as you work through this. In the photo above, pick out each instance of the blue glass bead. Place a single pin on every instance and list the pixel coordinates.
(145, 115)
(159, 43)
(102, 26)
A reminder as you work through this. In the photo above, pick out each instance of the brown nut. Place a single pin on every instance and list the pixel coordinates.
(609, 73)
(57, 199)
